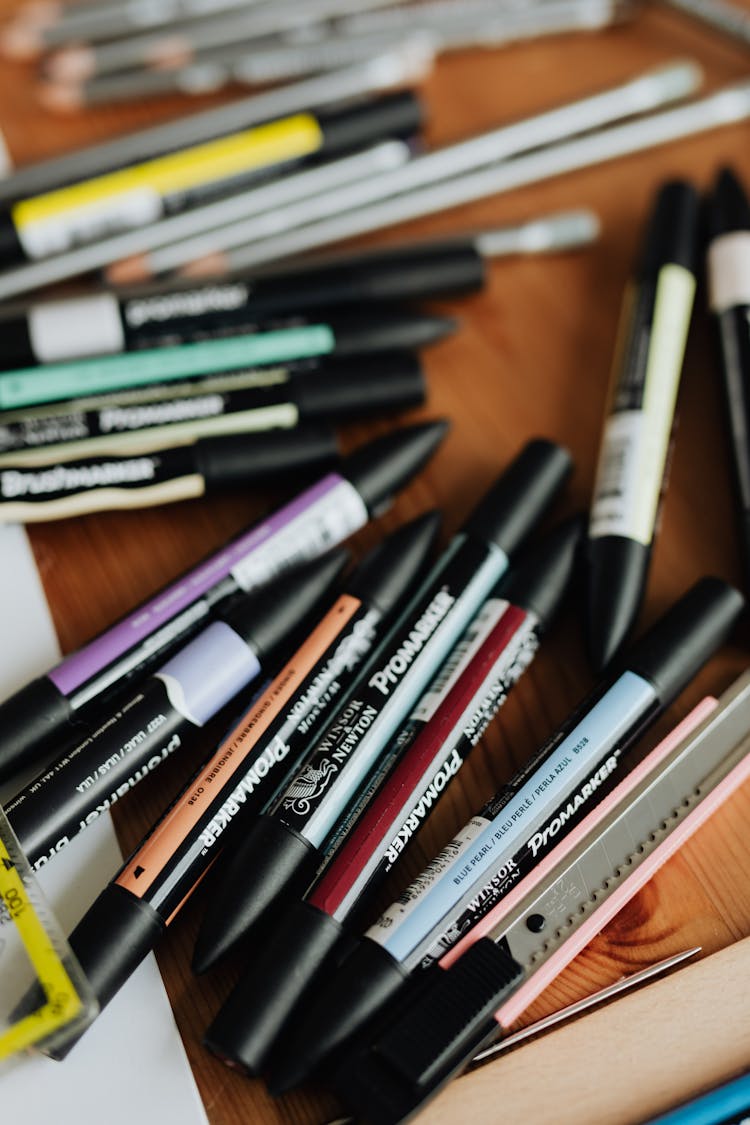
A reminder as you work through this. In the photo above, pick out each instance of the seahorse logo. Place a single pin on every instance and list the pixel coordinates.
(309, 785)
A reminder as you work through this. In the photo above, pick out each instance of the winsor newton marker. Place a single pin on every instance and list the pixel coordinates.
(283, 850)
(729, 298)
(106, 323)
(378, 330)
(44, 713)
(643, 823)
(62, 219)
(450, 719)
(513, 832)
(633, 456)
(244, 402)
(251, 764)
(170, 708)
(182, 472)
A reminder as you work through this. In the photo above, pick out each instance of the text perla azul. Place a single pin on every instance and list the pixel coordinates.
(539, 839)
(414, 643)
(195, 302)
(411, 825)
(251, 779)
(68, 478)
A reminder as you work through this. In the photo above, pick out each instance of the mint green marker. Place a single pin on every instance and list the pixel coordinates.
(58, 382)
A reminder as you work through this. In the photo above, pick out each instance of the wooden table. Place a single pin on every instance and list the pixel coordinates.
(532, 358)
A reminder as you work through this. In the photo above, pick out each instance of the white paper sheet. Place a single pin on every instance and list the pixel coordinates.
(130, 1068)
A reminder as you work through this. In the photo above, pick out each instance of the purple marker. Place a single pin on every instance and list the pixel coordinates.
(48, 711)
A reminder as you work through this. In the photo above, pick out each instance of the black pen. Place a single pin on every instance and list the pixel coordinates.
(729, 298)
(633, 456)
(255, 401)
(45, 713)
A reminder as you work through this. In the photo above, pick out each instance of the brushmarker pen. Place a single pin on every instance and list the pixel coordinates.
(729, 300)
(62, 219)
(633, 456)
(378, 331)
(590, 877)
(169, 710)
(62, 489)
(514, 831)
(283, 850)
(252, 763)
(248, 402)
(45, 712)
(449, 721)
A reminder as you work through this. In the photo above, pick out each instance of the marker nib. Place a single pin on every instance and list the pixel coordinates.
(617, 575)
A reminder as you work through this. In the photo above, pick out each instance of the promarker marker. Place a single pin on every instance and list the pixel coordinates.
(450, 720)
(251, 764)
(283, 850)
(247, 402)
(514, 832)
(45, 712)
(170, 709)
(109, 323)
(645, 379)
(729, 299)
(58, 221)
(62, 489)
(617, 850)
(379, 330)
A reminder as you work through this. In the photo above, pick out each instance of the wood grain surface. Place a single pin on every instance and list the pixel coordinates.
(531, 358)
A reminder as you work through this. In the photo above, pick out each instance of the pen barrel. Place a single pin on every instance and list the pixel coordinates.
(237, 459)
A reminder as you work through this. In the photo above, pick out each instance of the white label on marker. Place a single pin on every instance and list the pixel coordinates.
(58, 233)
(729, 271)
(75, 328)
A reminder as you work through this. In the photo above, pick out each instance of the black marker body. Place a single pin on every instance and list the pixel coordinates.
(183, 314)
(633, 456)
(729, 298)
(54, 709)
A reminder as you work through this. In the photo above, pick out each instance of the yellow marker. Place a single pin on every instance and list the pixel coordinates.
(66, 998)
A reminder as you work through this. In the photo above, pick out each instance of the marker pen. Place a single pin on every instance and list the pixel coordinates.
(112, 322)
(62, 489)
(513, 832)
(633, 456)
(86, 211)
(46, 711)
(254, 401)
(449, 721)
(169, 710)
(284, 849)
(252, 763)
(729, 299)
(379, 330)
(612, 856)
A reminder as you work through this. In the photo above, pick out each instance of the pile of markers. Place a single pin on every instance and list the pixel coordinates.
(120, 50)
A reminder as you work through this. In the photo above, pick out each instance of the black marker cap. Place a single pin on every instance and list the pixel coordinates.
(37, 718)
(238, 459)
(412, 1057)
(367, 981)
(388, 571)
(383, 467)
(391, 115)
(518, 499)
(269, 618)
(672, 231)
(110, 941)
(283, 864)
(257, 1010)
(542, 574)
(386, 329)
(682, 640)
(728, 206)
(361, 386)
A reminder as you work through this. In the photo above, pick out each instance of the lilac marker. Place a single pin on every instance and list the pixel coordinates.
(48, 711)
